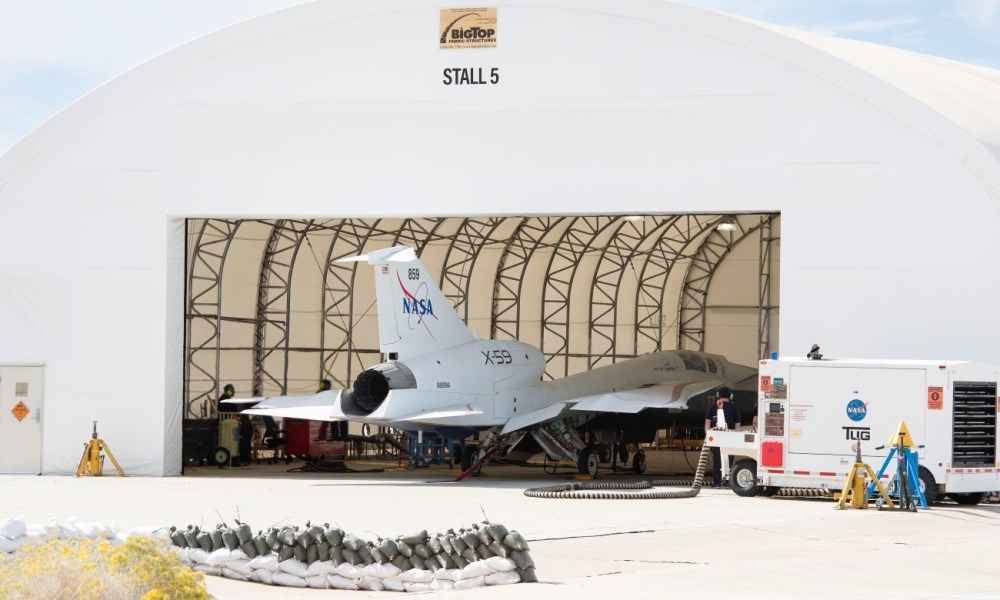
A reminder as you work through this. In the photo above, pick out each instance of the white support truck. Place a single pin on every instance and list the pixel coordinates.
(811, 413)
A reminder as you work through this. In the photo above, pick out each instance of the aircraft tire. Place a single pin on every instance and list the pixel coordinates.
(469, 458)
(639, 462)
(623, 454)
(604, 453)
(586, 463)
(743, 478)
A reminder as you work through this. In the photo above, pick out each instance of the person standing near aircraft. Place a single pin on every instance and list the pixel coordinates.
(721, 414)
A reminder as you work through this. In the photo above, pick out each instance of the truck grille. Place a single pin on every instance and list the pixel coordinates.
(975, 434)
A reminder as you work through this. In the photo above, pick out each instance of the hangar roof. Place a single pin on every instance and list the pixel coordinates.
(966, 96)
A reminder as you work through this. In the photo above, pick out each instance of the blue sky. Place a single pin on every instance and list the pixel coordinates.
(54, 51)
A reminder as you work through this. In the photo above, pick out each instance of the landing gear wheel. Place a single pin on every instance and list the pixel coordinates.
(604, 453)
(586, 463)
(220, 457)
(743, 478)
(968, 499)
(623, 454)
(927, 485)
(639, 462)
(769, 490)
(469, 457)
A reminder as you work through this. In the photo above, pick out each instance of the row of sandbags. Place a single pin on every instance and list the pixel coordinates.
(15, 532)
(323, 557)
(375, 577)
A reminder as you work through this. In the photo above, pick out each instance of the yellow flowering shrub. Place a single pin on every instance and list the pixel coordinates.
(142, 568)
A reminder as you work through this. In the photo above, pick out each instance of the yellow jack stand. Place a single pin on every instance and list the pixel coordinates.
(855, 487)
(92, 463)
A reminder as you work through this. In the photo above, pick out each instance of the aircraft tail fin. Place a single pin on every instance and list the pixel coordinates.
(414, 316)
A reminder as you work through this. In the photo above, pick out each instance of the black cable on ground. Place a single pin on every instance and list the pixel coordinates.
(594, 490)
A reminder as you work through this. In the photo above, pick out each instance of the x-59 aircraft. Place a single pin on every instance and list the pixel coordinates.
(440, 378)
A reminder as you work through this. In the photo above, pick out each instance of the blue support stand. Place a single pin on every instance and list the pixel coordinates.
(906, 481)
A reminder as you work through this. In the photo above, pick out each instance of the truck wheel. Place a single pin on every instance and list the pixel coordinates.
(927, 485)
(469, 457)
(769, 490)
(586, 463)
(968, 499)
(743, 478)
(639, 462)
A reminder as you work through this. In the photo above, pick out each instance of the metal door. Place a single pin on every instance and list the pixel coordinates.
(21, 395)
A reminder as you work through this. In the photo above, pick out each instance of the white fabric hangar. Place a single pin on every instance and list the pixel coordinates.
(883, 165)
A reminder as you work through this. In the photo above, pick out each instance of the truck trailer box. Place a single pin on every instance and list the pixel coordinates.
(811, 413)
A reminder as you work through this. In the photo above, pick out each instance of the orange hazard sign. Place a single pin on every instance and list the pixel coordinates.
(765, 383)
(20, 411)
(935, 398)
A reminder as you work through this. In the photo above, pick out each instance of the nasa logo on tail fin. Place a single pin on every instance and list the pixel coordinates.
(414, 316)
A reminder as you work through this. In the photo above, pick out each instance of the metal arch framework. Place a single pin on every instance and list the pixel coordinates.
(712, 250)
(203, 318)
(553, 263)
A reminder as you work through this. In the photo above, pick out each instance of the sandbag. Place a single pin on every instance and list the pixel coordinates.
(417, 587)
(469, 539)
(293, 567)
(422, 551)
(267, 563)
(434, 544)
(478, 568)
(472, 582)
(216, 536)
(503, 578)
(449, 574)
(198, 556)
(7, 545)
(300, 554)
(287, 579)
(498, 563)
(483, 534)
(497, 531)
(312, 554)
(208, 570)
(12, 528)
(262, 576)
(515, 541)
(483, 551)
(499, 549)
(241, 566)
(522, 559)
(286, 552)
(373, 584)
(401, 562)
(442, 584)
(231, 574)
(416, 576)
(317, 581)
(382, 571)
(334, 536)
(349, 571)
(528, 575)
(404, 548)
(413, 539)
(393, 584)
(244, 533)
(388, 548)
(230, 540)
(351, 556)
(458, 544)
(341, 583)
(320, 567)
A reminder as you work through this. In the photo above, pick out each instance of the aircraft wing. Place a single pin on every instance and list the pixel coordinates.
(443, 415)
(662, 395)
(321, 406)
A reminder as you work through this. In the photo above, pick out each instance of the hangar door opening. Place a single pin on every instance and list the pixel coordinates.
(270, 309)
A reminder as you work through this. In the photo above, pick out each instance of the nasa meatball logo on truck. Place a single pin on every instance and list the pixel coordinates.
(857, 410)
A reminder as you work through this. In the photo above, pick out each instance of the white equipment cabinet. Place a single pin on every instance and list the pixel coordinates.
(812, 412)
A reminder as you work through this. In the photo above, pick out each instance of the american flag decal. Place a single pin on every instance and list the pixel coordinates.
(385, 270)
